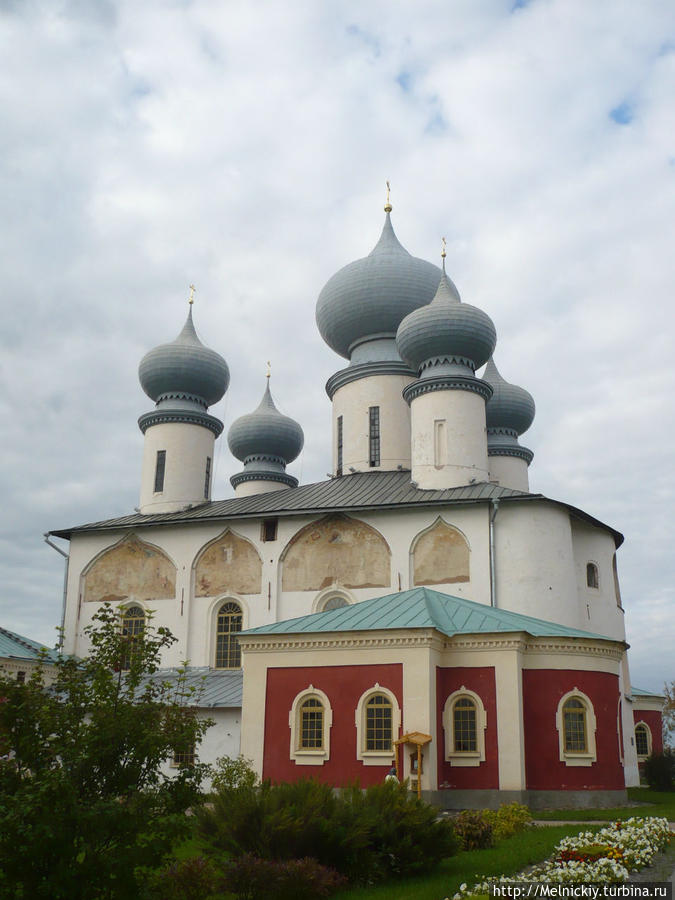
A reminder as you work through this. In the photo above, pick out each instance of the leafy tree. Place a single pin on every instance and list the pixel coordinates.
(84, 805)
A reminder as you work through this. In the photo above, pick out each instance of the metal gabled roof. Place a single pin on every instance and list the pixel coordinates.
(14, 646)
(638, 692)
(360, 491)
(422, 607)
(213, 688)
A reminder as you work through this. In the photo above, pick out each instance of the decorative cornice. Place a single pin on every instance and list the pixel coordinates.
(496, 430)
(511, 450)
(448, 361)
(447, 383)
(265, 643)
(181, 395)
(161, 416)
(280, 477)
(365, 370)
(265, 457)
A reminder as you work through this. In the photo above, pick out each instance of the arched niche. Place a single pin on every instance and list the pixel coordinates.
(440, 555)
(336, 550)
(229, 564)
(131, 568)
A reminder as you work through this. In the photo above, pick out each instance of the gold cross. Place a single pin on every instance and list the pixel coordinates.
(387, 205)
(269, 368)
(191, 299)
(443, 242)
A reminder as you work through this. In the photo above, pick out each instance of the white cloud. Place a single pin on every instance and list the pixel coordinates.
(244, 147)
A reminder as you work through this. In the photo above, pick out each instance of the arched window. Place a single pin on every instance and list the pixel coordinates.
(133, 625)
(310, 721)
(377, 719)
(592, 579)
(464, 722)
(334, 602)
(643, 740)
(228, 652)
(311, 724)
(576, 724)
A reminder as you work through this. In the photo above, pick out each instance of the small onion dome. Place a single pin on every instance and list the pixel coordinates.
(446, 330)
(370, 297)
(184, 368)
(510, 407)
(266, 432)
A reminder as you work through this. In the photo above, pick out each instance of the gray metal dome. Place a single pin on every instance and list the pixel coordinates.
(266, 432)
(446, 330)
(370, 297)
(184, 367)
(510, 406)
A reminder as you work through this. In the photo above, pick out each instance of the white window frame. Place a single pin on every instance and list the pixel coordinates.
(464, 757)
(572, 757)
(309, 757)
(376, 757)
(641, 756)
(327, 593)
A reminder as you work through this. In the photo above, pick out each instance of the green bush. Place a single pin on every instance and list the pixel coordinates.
(365, 835)
(233, 772)
(195, 878)
(250, 878)
(659, 771)
(508, 820)
(474, 830)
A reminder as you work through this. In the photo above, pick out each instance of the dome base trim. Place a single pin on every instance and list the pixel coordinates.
(509, 450)
(365, 370)
(281, 477)
(447, 383)
(264, 457)
(449, 360)
(187, 417)
(182, 395)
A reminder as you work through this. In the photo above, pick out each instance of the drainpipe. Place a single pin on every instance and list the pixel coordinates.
(65, 587)
(493, 569)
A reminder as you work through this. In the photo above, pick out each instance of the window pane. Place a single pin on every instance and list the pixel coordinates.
(379, 717)
(311, 725)
(374, 435)
(464, 726)
(641, 741)
(334, 603)
(338, 468)
(133, 623)
(228, 653)
(159, 471)
(574, 723)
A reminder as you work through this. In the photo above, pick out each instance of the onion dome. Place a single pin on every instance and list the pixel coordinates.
(184, 369)
(511, 408)
(446, 332)
(265, 441)
(367, 299)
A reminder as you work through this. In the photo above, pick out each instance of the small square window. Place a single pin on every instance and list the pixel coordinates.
(268, 530)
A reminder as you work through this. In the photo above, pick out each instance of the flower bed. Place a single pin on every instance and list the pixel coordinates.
(608, 855)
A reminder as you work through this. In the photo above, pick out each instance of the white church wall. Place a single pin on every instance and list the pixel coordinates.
(187, 448)
(595, 546)
(509, 471)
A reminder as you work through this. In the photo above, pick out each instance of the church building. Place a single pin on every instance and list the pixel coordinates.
(421, 608)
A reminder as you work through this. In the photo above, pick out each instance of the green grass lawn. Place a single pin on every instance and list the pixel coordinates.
(512, 855)
(652, 803)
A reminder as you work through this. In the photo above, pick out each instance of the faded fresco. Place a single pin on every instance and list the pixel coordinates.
(441, 556)
(336, 550)
(131, 568)
(230, 564)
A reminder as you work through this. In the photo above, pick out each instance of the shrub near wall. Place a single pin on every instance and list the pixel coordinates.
(366, 835)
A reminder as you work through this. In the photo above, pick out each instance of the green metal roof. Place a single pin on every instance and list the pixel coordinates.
(421, 608)
(14, 646)
(638, 692)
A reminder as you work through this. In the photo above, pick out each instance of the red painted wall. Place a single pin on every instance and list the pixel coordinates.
(343, 685)
(651, 718)
(542, 691)
(482, 682)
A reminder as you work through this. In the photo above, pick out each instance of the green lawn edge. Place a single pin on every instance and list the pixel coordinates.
(651, 803)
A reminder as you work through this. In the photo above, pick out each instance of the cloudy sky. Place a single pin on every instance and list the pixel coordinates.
(244, 147)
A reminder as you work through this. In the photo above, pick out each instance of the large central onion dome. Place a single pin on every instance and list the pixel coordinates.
(367, 299)
(266, 433)
(446, 332)
(510, 408)
(184, 369)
